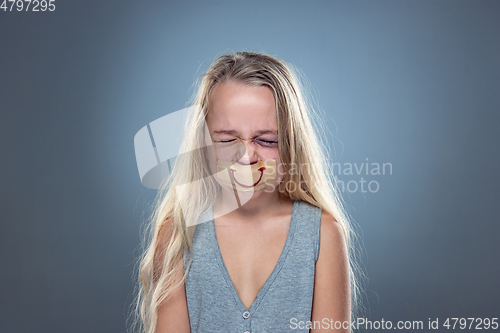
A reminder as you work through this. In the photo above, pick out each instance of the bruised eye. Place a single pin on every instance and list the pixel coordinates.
(266, 143)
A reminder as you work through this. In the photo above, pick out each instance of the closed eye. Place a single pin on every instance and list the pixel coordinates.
(266, 143)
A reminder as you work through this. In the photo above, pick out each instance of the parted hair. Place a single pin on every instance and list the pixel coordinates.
(190, 189)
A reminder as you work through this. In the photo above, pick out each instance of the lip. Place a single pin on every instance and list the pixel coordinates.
(261, 169)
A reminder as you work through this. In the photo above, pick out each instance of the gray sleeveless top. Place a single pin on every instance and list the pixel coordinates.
(284, 300)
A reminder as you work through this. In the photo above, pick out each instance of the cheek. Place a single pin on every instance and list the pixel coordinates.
(280, 169)
(270, 154)
(225, 155)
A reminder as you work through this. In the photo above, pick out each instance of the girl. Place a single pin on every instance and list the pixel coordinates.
(248, 233)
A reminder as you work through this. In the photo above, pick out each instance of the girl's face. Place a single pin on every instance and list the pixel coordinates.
(246, 112)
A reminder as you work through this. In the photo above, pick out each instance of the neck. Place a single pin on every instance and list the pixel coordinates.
(248, 204)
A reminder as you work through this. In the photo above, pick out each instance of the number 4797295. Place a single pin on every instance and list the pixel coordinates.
(26, 5)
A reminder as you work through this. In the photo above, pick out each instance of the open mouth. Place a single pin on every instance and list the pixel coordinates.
(249, 186)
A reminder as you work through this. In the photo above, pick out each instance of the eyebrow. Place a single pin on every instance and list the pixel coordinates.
(233, 132)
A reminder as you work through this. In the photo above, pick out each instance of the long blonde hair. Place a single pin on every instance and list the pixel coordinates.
(190, 189)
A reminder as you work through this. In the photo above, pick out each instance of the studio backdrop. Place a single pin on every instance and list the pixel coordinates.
(408, 92)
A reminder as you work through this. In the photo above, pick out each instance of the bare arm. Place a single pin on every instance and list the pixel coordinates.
(331, 299)
(173, 314)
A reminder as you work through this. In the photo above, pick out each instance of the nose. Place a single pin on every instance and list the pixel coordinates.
(246, 152)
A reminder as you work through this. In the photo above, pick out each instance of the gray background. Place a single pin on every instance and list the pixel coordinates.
(411, 83)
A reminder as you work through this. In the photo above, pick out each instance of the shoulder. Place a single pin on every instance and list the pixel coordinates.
(331, 229)
(331, 232)
(330, 237)
(332, 244)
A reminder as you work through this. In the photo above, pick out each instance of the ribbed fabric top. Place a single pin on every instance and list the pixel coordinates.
(286, 297)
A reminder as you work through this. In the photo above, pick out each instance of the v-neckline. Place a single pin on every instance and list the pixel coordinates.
(274, 273)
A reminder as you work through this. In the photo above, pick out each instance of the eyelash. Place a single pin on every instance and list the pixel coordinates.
(264, 143)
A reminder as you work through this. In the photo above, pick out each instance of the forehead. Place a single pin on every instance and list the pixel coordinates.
(241, 107)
